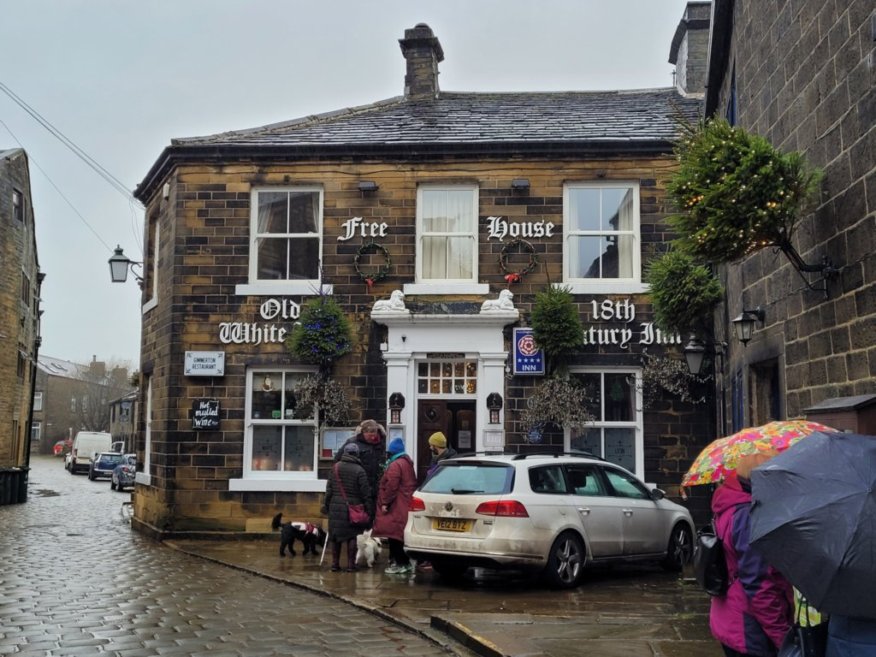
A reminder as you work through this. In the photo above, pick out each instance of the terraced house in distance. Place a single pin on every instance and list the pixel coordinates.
(418, 215)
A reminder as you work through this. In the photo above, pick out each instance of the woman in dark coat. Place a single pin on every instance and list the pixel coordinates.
(349, 473)
(393, 502)
(371, 440)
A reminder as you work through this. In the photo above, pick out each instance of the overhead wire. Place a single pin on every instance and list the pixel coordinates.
(32, 159)
(108, 177)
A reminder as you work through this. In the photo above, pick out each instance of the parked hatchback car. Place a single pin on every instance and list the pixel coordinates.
(550, 513)
(103, 464)
(124, 472)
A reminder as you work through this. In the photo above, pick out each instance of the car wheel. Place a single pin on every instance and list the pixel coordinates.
(566, 562)
(680, 548)
(449, 570)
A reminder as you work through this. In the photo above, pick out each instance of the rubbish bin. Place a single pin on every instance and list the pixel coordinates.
(13, 485)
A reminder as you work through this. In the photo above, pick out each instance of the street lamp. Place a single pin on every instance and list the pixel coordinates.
(744, 324)
(120, 263)
(694, 353)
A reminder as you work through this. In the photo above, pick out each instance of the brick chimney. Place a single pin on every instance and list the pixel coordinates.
(422, 51)
(690, 49)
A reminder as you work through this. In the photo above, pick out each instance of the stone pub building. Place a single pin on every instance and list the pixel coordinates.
(436, 189)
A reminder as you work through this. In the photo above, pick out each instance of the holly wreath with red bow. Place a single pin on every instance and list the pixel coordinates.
(372, 277)
(517, 246)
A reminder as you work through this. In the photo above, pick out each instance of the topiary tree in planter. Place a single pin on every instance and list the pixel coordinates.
(736, 193)
(683, 293)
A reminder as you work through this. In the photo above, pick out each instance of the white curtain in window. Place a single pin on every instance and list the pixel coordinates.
(447, 220)
(627, 242)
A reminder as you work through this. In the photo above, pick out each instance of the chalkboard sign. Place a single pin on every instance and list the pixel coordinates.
(205, 414)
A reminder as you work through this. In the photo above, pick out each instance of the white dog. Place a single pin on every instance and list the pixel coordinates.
(368, 549)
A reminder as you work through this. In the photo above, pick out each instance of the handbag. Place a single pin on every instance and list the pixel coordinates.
(709, 564)
(804, 640)
(356, 513)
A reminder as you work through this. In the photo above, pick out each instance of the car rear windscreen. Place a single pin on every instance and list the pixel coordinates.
(471, 478)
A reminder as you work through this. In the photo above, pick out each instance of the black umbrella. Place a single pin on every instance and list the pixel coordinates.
(813, 518)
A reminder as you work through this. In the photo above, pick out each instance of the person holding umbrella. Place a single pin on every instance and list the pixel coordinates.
(814, 517)
(754, 615)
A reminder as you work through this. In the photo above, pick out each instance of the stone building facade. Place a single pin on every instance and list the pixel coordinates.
(73, 397)
(803, 75)
(408, 211)
(20, 281)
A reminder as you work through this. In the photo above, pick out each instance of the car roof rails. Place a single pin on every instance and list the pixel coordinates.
(583, 454)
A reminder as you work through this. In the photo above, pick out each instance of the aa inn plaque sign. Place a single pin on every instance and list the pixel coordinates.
(205, 414)
(205, 363)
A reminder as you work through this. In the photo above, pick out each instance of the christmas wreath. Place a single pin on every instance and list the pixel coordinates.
(513, 247)
(382, 272)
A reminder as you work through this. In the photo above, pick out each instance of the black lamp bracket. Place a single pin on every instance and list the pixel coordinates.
(825, 268)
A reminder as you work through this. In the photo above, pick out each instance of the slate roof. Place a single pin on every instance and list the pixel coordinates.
(62, 368)
(554, 123)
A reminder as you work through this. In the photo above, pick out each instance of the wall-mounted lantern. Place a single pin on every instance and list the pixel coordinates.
(744, 324)
(396, 404)
(120, 263)
(494, 404)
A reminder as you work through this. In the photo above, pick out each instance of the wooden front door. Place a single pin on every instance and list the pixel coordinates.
(455, 419)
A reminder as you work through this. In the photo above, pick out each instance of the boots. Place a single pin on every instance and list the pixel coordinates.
(336, 556)
(351, 556)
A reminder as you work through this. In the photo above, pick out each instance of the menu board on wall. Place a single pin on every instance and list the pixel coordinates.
(332, 439)
(205, 414)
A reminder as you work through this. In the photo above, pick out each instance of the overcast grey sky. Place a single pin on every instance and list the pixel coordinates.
(121, 78)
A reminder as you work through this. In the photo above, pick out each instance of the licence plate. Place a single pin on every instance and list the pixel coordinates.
(451, 525)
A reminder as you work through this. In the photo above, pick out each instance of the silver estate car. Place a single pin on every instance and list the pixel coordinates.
(550, 513)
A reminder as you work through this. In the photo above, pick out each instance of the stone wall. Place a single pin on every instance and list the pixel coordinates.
(205, 225)
(806, 74)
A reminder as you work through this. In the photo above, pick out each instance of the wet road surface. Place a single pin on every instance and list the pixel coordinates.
(77, 581)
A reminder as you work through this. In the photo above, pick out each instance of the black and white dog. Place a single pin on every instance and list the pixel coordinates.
(309, 534)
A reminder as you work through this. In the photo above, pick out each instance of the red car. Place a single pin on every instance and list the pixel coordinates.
(62, 447)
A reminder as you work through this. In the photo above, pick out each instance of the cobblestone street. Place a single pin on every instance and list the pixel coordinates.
(77, 581)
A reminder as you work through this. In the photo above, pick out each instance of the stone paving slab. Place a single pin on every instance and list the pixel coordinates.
(626, 612)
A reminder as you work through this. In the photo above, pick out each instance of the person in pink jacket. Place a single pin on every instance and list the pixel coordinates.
(393, 502)
(756, 612)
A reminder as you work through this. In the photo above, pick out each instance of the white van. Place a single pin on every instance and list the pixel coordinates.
(85, 445)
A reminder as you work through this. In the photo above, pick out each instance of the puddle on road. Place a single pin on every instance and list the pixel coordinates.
(45, 492)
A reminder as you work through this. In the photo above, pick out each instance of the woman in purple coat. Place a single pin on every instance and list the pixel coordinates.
(754, 615)
(393, 501)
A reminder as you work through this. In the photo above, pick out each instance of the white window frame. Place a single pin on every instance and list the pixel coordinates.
(632, 285)
(637, 423)
(275, 480)
(144, 477)
(38, 400)
(35, 430)
(256, 287)
(155, 250)
(453, 285)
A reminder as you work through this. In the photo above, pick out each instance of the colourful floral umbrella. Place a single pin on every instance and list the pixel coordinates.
(721, 456)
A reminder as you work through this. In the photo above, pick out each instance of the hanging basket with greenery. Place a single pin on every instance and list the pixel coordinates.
(317, 391)
(322, 335)
(560, 401)
(735, 192)
(683, 293)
